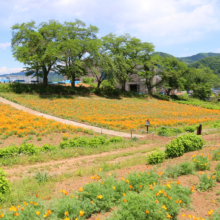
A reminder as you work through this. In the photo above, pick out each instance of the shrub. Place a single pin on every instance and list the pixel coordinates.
(116, 139)
(206, 182)
(174, 171)
(184, 143)
(155, 157)
(4, 184)
(9, 151)
(175, 148)
(201, 162)
(218, 166)
(28, 149)
(94, 142)
(216, 155)
(190, 129)
(64, 144)
(164, 132)
(217, 175)
(47, 147)
(137, 181)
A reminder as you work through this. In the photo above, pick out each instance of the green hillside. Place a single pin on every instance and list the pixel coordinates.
(163, 54)
(212, 62)
(197, 57)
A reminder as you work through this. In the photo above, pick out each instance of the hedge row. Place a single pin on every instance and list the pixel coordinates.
(27, 148)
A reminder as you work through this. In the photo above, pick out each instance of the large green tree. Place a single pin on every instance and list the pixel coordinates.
(127, 53)
(76, 44)
(174, 74)
(36, 46)
(201, 80)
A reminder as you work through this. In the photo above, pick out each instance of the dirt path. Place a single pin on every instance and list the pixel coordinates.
(69, 165)
(64, 121)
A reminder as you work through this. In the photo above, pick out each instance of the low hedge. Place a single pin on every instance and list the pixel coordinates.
(27, 148)
(182, 144)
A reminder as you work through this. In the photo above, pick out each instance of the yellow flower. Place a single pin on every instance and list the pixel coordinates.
(81, 213)
(37, 213)
(99, 196)
(66, 213)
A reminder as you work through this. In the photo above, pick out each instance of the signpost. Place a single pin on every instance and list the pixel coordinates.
(147, 124)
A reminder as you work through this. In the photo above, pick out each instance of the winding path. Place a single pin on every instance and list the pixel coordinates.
(69, 122)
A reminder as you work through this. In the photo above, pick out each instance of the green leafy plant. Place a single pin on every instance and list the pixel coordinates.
(155, 157)
(201, 162)
(4, 184)
(206, 182)
(216, 155)
(175, 148)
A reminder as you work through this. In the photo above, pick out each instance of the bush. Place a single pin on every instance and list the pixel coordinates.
(201, 162)
(216, 155)
(183, 144)
(137, 181)
(206, 182)
(9, 151)
(217, 175)
(174, 171)
(175, 148)
(190, 129)
(156, 157)
(218, 166)
(116, 139)
(47, 147)
(28, 149)
(4, 184)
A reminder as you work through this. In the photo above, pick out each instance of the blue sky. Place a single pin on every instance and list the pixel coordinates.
(178, 27)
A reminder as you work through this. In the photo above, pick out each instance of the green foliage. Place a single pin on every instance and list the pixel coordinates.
(218, 166)
(88, 80)
(28, 149)
(175, 148)
(212, 62)
(4, 184)
(216, 154)
(206, 182)
(173, 171)
(217, 175)
(183, 144)
(156, 157)
(42, 177)
(147, 205)
(138, 181)
(168, 132)
(190, 129)
(115, 139)
(201, 162)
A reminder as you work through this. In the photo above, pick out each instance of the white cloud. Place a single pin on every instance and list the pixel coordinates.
(161, 21)
(5, 70)
(4, 45)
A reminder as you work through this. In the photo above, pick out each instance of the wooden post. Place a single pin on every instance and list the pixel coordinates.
(199, 130)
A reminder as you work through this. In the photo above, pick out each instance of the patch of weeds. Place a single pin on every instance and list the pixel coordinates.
(39, 139)
(201, 162)
(206, 182)
(42, 177)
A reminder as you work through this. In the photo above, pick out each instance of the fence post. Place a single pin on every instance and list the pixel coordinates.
(153, 136)
(155, 128)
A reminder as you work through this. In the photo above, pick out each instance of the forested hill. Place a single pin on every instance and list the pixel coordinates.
(190, 59)
(212, 62)
(197, 57)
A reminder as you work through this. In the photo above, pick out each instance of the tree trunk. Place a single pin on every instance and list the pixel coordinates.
(123, 86)
(73, 78)
(99, 83)
(45, 80)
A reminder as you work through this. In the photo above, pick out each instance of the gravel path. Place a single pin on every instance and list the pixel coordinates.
(69, 122)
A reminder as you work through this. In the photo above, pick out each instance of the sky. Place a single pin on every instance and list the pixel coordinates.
(178, 27)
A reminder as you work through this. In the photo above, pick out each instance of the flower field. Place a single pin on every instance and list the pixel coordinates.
(16, 122)
(122, 114)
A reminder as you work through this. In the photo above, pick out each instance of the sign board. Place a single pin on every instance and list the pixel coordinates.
(147, 123)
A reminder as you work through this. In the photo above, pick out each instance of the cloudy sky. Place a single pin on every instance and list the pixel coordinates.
(178, 27)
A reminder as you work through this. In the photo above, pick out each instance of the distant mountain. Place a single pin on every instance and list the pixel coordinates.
(52, 77)
(212, 62)
(189, 59)
(197, 57)
(163, 54)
